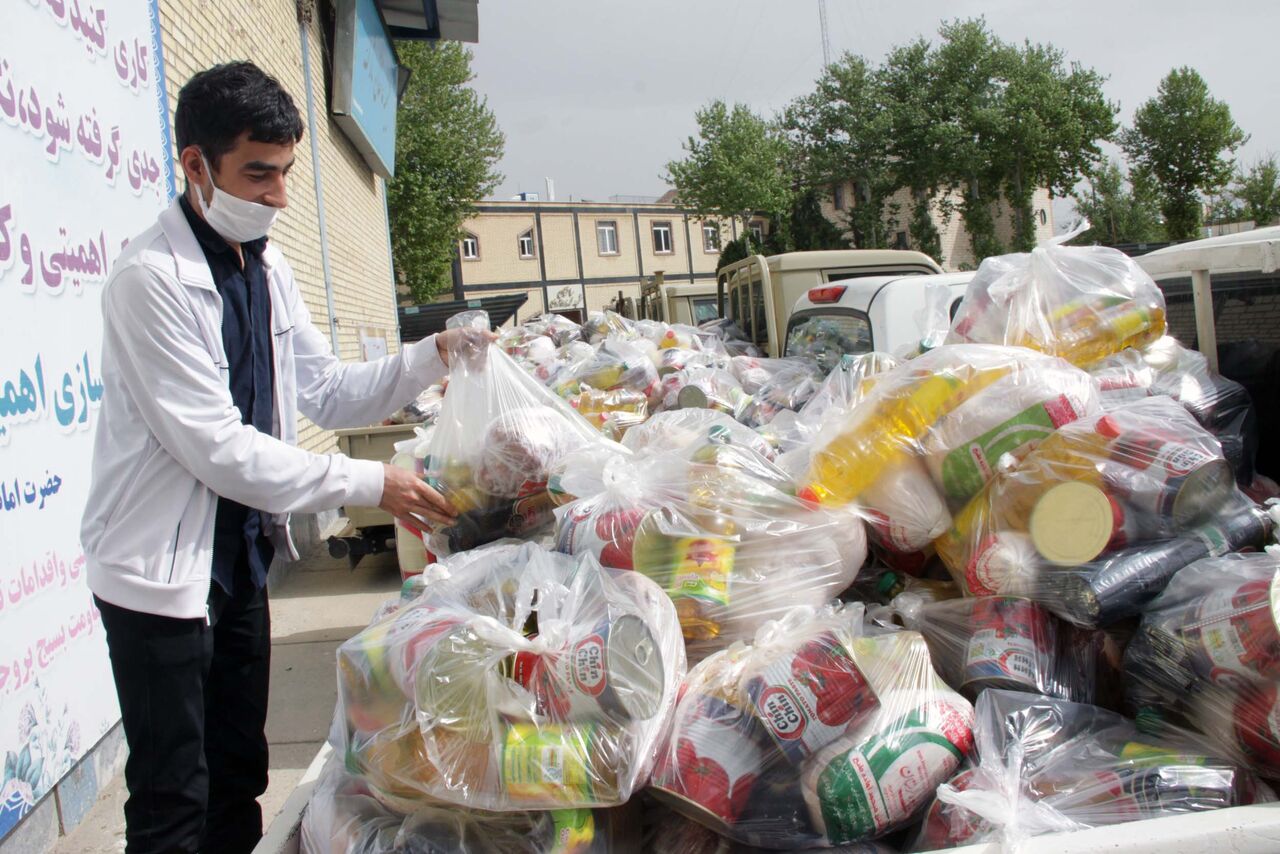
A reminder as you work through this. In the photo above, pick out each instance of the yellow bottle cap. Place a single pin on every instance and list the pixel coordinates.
(1072, 523)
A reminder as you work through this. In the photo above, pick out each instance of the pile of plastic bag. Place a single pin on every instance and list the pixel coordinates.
(1041, 518)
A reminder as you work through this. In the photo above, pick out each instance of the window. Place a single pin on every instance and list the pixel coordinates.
(826, 337)
(607, 237)
(757, 230)
(662, 238)
(526, 244)
(837, 196)
(710, 237)
(470, 247)
(704, 309)
(900, 241)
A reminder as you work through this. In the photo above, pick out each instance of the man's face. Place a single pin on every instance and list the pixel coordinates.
(253, 171)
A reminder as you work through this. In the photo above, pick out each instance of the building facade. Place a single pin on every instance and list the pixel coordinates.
(957, 250)
(579, 257)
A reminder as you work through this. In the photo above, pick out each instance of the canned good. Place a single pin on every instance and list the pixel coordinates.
(1256, 724)
(1236, 635)
(552, 765)
(614, 672)
(1073, 522)
(1172, 481)
(607, 534)
(872, 782)
(714, 763)
(949, 826)
(808, 698)
(1009, 646)
(1004, 562)
(701, 569)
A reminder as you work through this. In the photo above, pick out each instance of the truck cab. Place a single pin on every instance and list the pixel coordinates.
(758, 293)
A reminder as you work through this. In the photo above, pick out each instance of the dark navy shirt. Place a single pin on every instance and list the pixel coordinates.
(238, 530)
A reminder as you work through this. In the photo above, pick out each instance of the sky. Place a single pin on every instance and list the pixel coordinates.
(599, 96)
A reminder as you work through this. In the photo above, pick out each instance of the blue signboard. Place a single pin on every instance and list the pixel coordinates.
(366, 76)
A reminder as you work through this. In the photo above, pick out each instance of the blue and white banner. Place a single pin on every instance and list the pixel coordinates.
(85, 164)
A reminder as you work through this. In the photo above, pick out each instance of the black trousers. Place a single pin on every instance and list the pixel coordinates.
(193, 698)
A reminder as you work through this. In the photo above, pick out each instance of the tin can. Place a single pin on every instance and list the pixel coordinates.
(1171, 481)
(949, 826)
(1073, 522)
(607, 534)
(808, 698)
(713, 761)
(1236, 636)
(877, 779)
(614, 672)
(558, 765)
(1256, 724)
(1009, 646)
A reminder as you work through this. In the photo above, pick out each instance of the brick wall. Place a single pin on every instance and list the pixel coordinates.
(197, 36)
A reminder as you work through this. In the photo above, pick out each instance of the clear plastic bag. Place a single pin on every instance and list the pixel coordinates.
(683, 431)
(1082, 303)
(344, 816)
(1207, 655)
(602, 324)
(934, 427)
(525, 680)
(613, 412)
(1044, 765)
(1096, 519)
(844, 388)
(617, 364)
(774, 386)
(1006, 642)
(557, 327)
(716, 526)
(822, 732)
(698, 387)
(498, 435)
(669, 832)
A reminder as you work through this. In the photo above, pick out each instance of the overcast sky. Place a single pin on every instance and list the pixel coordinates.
(600, 95)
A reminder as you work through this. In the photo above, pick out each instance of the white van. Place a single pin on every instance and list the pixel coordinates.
(758, 293)
(883, 313)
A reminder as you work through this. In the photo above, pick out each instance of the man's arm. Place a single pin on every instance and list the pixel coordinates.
(334, 394)
(177, 388)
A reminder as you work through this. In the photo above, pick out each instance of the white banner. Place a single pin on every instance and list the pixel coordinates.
(85, 164)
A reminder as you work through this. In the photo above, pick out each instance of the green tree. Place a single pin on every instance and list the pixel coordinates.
(1258, 191)
(737, 165)
(1119, 209)
(918, 136)
(809, 228)
(1180, 137)
(843, 130)
(447, 146)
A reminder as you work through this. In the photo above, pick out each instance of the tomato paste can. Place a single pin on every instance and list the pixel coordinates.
(1172, 481)
(1236, 636)
(811, 696)
(613, 672)
(1008, 646)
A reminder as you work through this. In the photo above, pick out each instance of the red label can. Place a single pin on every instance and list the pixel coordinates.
(808, 698)
(1236, 637)
(1008, 645)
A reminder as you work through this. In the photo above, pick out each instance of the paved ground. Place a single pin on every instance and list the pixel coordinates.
(321, 604)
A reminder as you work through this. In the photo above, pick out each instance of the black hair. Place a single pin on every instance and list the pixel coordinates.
(218, 105)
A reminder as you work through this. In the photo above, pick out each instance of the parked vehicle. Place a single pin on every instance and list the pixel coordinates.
(758, 293)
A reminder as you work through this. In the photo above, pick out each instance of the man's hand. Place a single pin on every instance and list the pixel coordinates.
(466, 341)
(406, 496)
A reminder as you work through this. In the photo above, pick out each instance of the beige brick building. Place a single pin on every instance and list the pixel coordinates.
(198, 35)
(578, 257)
(957, 252)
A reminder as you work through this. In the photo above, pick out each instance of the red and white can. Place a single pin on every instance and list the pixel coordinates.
(609, 534)
(1008, 646)
(811, 696)
(1256, 725)
(1237, 638)
(712, 762)
(614, 672)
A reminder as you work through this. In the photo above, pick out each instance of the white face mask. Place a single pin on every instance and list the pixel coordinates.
(236, 219)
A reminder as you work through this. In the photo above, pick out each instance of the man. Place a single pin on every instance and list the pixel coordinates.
(208, 354)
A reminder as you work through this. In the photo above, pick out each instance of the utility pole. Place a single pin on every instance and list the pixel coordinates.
(826, 40)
